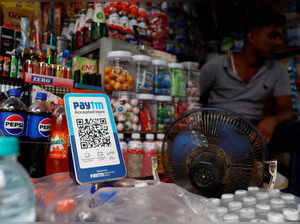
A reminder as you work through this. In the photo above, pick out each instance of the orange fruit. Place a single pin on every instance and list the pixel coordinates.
(108, 69)
(130, 79)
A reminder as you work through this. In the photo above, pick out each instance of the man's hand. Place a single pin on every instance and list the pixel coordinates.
(266, 127)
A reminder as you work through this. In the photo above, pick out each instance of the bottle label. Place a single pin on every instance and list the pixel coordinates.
(38, 126)
(13, 124)
(58, 145)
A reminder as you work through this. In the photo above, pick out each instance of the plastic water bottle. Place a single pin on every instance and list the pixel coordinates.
(150, 150)
(16, 191)
(38, 131)
(13, 115)
(57, 159)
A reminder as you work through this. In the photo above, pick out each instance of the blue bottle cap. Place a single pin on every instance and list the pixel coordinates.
(9, 146)
(41, 96)
(14, 92)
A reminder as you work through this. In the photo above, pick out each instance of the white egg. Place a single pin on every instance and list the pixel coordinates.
(134, 102)
(135, 110)
(128, 107)
(135, 119)
(120, 127)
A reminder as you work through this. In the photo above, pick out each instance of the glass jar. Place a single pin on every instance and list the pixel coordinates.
(143, 72)
(178, 81)
(165, 112)
(135, 156)
(147, 106)
(192, 74)
(126, 111)
(161, 77)
(118, 74)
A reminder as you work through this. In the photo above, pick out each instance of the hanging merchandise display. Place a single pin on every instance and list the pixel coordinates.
(161, 77)
(144, 74)
(118, 74)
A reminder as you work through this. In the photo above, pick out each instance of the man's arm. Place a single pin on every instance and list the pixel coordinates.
(284, 112)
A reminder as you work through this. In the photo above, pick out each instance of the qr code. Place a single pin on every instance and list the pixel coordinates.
(93, 133)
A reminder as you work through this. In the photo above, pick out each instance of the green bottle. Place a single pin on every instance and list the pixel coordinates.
(13, 66)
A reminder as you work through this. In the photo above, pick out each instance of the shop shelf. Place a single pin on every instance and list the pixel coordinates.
(88, 87)
(48, 80)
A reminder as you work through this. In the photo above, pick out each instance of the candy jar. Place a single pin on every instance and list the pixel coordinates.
(161, 77)
(126, 111)
(192, 75)
(165, 112)
(180, 108)
(178, 81)
(135, 156)
(144, 74)
(118, 75)
(147, 108)
(150, 151)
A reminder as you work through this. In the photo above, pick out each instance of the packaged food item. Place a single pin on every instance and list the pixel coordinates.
(24, 32)
(99, 23)
(178, 80)
(147, 106)
(161, 77)
(126, 111)
(132, 16)
(118, 74)
(165, 112)
(144, 74)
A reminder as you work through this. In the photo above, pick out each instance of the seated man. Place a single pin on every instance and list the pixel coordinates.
(242, 82)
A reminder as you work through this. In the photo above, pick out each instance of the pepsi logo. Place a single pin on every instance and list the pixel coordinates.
(14, 124)
(44, 127)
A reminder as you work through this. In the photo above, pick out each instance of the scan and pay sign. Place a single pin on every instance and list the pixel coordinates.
(95, 146)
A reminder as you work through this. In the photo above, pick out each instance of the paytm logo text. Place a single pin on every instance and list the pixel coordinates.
(88, 105)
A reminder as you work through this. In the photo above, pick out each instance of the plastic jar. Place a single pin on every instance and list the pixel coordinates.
(178, 80)
(192, 74)
(144, 74)
(124, 147)
(165, 112)
(150, 150)
(135, 156)
(147, 107)
(180, 108)
(160, 154)
(161, 77)
(126, 111)
(118, 74)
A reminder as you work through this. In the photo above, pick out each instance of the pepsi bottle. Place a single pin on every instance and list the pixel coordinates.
(13, 115)
(38, 131)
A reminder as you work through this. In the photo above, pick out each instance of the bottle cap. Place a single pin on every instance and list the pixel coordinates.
(288, 197)
(215, 201)
(135, 136)
(291, 214)
(9, 146)
(160, 136)
(240, 193)
(263, 207)
(14, 92)
(65, 205)
(141, 58)
(248, 213)
(262, 195)
(221, 210)
(275, 217)
(160, 62)
(41, 96)
(150, 136)
(175, 65)
(234, 205)
(231, 218)
(227, 197)
(249, 200)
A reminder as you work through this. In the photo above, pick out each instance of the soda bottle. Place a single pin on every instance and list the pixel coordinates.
(13, 66)
(150, 150)
(38, 130)
(17, 198)
(13, 115)
(57, 159)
